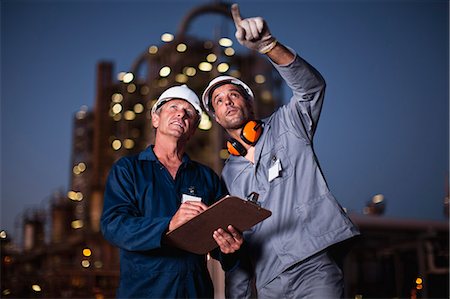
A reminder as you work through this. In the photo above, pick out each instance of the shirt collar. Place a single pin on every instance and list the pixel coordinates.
(149, 155)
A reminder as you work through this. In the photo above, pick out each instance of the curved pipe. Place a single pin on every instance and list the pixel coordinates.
(219, 8)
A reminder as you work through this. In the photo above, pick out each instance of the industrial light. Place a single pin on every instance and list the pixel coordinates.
(189, 71)
(116, 144)
(211, 57)
(153, 50)
(167, 37)
(260, 79)
(128, 77)
(205, 66)
(181, 47)
(223, 67)
(229, 51)
(138, 108)
(165, 71)
(87, 252)
(225, 42)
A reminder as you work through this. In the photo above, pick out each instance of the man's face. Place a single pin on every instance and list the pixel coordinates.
(175, 118)
(231, 109)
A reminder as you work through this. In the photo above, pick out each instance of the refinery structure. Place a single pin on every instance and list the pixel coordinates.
(63, 254)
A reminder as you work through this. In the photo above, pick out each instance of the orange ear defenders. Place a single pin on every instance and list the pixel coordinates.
(250, 134)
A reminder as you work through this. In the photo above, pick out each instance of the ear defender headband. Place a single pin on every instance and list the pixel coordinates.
(250, 134)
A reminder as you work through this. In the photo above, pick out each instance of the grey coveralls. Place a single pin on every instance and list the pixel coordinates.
(285, 255)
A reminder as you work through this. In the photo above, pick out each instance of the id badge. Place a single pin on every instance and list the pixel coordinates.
(275, 170)
(187, 197)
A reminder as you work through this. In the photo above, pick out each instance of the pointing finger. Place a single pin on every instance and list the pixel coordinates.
(236, 14)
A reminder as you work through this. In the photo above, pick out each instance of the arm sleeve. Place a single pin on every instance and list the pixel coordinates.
(239, 281)
(122, 223)
(308, 88)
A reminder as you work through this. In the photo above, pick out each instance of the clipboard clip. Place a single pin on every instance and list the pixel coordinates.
(253, 198)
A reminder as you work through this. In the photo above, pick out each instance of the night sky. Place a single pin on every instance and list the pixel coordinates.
(384, 126)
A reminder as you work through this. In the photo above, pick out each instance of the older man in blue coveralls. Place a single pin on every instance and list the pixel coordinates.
(156, 191)
(288, 255)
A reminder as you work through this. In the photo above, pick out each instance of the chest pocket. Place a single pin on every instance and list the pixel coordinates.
(276, 166)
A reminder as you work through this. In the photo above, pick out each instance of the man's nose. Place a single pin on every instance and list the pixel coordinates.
(228, 101)
(181, 113)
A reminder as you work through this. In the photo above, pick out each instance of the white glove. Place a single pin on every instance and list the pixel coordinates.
(252, 33)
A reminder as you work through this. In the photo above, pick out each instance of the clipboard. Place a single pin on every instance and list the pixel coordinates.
(196, 235)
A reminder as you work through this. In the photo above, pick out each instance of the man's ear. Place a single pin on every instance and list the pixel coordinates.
(155, 120)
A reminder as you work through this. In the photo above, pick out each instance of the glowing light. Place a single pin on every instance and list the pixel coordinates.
(7, 260)
(82, 166)
(223, 67)
(208, 44)
(128, 77)
(77, 224)
(36, 288)
(71, 195)
(117, 97)
(128, 143)
(82, 113)
(120, 76)
(165, 71)
(260, 79)
(229, 51)
(75, 196)
(78, 169)
(419, 280)
(87, 252)
(117, 108)
(75, 170)
(145, 90)
(167, 37)
(235, 73)
(211, 57)
(378, 198)
(205, 66)
(189, 71)
(225, 42)
(98, 264)
(224, 154)
(116, 144)
(419, 286)
(131, 88)
(6, 292)
(151, 103)
(3, 234)
(181, 78)
(266, 96)
(78, 196)
(163, 82)
(205, 122)
(129, 115)
(138, 108)
(85, 263)
(153, 49)
(181, 47)
(117, 117)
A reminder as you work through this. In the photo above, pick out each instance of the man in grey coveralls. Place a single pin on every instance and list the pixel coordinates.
(287, 255)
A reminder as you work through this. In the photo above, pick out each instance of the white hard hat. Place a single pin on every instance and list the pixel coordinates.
(179, 92)
(221, 80)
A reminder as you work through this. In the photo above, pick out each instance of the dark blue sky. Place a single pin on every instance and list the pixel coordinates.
(384, 125)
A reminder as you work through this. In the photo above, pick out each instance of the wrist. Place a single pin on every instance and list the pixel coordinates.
(269, 47)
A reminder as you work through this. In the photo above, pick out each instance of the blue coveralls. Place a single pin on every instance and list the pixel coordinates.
(306, 219)
(140, 199)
